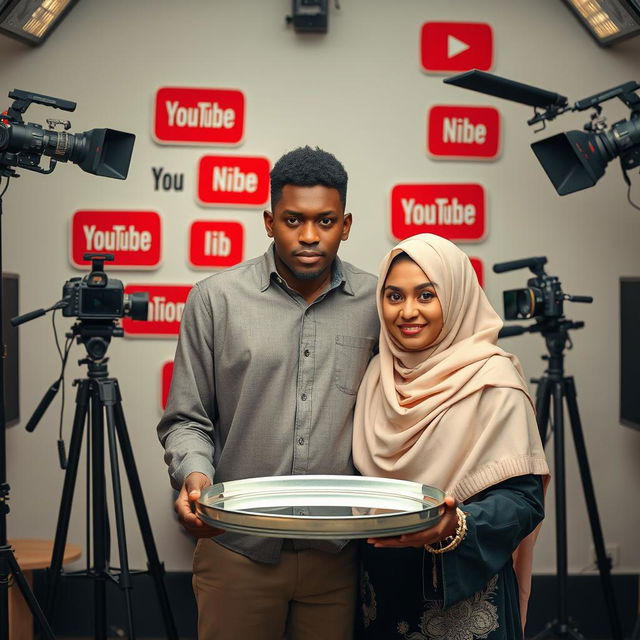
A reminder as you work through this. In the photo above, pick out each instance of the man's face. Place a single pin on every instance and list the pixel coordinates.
(307, 227)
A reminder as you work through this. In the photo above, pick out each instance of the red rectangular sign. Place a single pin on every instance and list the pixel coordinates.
(463, 132)
(199, 115)
(215, 244)
(478, 267)
(166, 304)
(233, 180)
(456, 46)
(165, 382)
(133, 237)
(453, 211)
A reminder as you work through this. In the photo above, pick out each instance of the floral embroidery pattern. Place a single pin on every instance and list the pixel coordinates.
(368, 599)
(471, 619)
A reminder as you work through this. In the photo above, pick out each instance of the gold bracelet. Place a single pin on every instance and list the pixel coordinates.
(452, 542)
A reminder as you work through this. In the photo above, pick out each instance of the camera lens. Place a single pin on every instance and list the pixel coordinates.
(525, 303)
(136, 305)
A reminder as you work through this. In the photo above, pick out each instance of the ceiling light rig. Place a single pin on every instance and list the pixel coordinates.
(32, 21)
(608, 21)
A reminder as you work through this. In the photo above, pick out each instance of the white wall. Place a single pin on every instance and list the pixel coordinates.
(359, 92)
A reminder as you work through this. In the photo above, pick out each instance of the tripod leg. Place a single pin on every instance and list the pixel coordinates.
(100, 545)
(4, 598)
(64, 513)
(156, 568)
(108, 393)
(604, 565)
(561, 502)
(543, 397)
(9, 565)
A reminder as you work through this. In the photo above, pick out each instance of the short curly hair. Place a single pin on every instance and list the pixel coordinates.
(307, 167)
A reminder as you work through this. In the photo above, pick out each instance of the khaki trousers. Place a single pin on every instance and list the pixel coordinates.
(308, 595)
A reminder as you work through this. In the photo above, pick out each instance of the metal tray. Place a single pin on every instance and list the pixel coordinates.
(321, 506)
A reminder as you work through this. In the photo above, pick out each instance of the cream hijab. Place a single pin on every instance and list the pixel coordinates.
(456, 415)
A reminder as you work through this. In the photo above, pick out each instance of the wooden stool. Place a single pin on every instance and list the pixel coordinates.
(31, 554)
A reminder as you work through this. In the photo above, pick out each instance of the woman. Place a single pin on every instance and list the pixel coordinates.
(443, 405)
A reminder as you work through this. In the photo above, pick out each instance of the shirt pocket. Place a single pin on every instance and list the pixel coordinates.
(352, 356)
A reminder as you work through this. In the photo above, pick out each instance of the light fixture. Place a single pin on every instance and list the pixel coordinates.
(608, 21)
(309, 16)
(32, 21)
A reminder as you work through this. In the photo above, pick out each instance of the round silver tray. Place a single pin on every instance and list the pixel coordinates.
(321, 506)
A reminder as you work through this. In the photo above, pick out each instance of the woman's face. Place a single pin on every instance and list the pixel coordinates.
(411, 310)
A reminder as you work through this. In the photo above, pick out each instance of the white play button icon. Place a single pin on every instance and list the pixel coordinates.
(455, 46)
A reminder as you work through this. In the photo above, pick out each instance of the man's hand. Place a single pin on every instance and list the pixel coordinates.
(446, 527)
(185, 505)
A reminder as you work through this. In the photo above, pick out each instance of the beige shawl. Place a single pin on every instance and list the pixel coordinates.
(456, 415)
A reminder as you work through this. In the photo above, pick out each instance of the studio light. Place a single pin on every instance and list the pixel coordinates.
(608, 21)
(32, 21)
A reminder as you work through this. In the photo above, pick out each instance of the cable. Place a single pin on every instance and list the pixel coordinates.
(6, 186)
(631, 202)
(62, 454)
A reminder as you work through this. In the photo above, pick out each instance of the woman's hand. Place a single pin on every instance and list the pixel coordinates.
(446, 527)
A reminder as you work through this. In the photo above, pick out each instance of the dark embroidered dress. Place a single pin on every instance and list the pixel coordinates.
(467, 594)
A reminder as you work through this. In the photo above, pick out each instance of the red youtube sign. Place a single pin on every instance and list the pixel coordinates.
(197, 115)
(166, 304)
(463, 132)
(456, 46)
(233, 180)
(478, 267)
(215, 244)
(133, 237)
(453, 211)
(165, 382)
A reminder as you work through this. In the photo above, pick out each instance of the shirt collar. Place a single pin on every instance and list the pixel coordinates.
(269, 271)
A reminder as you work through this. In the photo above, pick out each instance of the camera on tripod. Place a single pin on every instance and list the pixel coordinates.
(97, 301)
(542, 298)
(98, 297)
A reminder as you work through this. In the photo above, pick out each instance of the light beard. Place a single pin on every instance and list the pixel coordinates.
(307, 275)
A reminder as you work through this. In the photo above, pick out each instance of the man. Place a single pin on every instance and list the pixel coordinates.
(270, 357)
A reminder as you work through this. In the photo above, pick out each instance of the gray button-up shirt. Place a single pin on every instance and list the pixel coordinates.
(264, 384)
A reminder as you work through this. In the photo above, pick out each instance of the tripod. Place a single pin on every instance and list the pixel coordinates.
(8, 563)
(555, 389)
(543, 300)
(98, 396)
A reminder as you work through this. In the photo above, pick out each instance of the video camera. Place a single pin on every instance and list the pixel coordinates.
(98, 297)
(94, 299)
(542, 298)
(101, 152)
(573, 160)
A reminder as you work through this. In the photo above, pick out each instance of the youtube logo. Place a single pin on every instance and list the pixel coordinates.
(463, 132)
(456, 46)
(215, 244)
(165, 308)
(454, 211)
(233, 180)
(199, 115)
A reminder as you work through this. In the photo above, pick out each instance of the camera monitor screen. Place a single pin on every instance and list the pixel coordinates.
(101, 302)
(630, 352)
